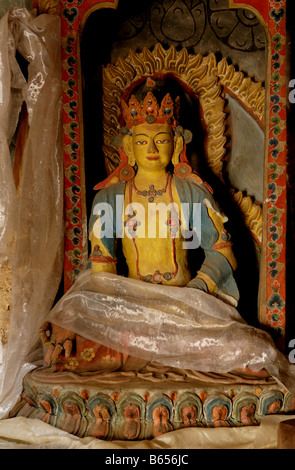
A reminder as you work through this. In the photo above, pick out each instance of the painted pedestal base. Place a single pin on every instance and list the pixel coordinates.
(129, 406)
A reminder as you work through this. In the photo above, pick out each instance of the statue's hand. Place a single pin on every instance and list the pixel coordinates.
(58, 339)
(198, 283)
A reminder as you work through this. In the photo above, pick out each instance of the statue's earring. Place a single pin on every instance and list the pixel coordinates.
(182, 167)
(127, 171)
(123, 172)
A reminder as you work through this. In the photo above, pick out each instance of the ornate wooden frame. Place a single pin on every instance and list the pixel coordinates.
(268, 106)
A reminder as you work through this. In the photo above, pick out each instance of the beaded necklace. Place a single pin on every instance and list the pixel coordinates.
(151, 193)
(173, 224)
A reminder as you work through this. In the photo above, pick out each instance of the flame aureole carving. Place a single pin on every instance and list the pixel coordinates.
(197, 73)
(246, 90)
(252, 212)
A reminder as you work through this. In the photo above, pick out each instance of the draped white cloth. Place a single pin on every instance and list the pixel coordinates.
(175, 326)
(31, 219)
(24, 433)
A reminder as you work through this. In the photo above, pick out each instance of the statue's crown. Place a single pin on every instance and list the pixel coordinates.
(150, 111)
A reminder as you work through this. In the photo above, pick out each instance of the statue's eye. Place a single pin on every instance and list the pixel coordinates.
(164, 141)
(141, 142)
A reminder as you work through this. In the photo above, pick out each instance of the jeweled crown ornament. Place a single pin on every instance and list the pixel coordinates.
(150, 111)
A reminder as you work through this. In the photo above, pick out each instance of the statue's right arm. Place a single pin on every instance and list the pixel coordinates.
(58, 339)
(102, 233)
(102, 258)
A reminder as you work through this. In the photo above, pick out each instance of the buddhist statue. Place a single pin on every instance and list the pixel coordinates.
(149, 331)
(165, 213)
(134, 353)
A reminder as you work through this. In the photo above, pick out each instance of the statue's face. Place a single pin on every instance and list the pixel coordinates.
(153, 145)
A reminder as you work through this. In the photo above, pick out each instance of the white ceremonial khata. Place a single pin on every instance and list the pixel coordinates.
(175, 326)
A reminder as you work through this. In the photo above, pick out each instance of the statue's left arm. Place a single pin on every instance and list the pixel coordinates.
(216, 275)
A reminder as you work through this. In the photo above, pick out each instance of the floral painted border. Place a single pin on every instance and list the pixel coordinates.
(273, 285)
(276, 187)
(273, 13)
(72, 14)
(72, 143)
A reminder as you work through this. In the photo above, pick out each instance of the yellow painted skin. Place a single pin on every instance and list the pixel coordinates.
(156, 253)
(152, 146)
(153, 253)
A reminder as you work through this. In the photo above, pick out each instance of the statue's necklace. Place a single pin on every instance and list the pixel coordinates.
(173, 223)
(151, 193)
